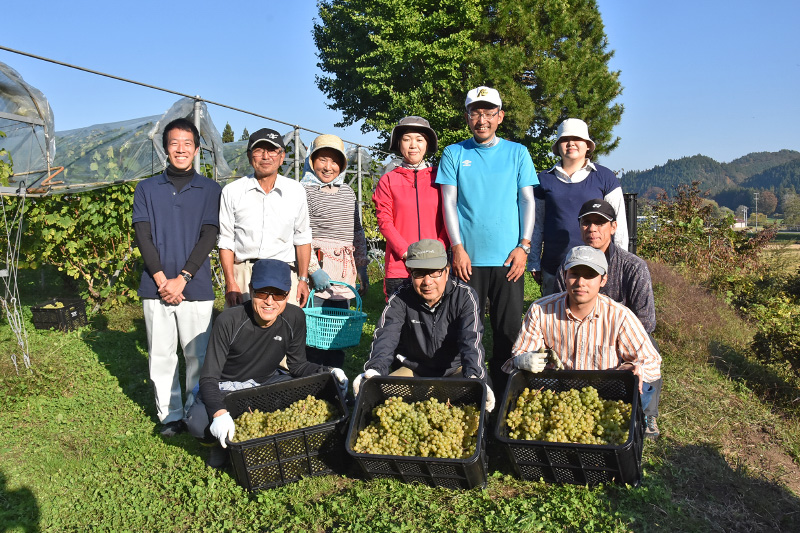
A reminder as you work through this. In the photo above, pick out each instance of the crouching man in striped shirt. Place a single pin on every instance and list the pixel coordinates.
(585, 329)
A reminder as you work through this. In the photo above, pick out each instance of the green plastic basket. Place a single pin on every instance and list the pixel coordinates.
(329, 328)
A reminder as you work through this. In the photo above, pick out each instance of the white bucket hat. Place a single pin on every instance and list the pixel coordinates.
(573, 127)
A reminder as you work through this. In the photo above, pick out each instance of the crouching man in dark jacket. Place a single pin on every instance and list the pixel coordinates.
(431, 327)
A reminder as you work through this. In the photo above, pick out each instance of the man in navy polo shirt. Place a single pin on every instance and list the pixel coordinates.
(175, 219)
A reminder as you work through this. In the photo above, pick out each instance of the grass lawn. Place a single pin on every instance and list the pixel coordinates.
(79, 448)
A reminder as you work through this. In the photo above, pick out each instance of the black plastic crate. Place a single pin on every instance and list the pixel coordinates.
(433, 471)
(584, 464)
(279, 459)
(69, 317)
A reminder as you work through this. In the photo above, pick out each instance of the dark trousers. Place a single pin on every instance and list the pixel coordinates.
(506, 300)
(333, 358)
(391, 284)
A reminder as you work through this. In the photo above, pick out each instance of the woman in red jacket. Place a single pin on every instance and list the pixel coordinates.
(408, 202)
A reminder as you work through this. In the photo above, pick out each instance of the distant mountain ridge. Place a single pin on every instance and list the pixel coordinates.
(775, 171)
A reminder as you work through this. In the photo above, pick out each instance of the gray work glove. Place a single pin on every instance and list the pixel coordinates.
(363, 280)
(321, 280)
(341, 379)
(361, 377)
(222, 426)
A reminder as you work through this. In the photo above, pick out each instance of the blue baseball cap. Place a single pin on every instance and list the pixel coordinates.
(271, 273)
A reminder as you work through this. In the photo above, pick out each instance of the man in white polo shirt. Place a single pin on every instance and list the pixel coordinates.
(264, 216)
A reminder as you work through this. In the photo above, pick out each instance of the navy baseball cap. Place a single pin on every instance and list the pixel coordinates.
(271, 273)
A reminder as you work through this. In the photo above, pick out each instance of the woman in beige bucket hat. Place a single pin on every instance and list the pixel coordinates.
(339, 247)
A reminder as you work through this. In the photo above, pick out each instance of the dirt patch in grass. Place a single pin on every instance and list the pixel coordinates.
(763, 454)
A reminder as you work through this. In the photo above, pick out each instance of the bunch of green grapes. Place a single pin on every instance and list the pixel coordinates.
(428, 428)
(579, 416)
(301, 414)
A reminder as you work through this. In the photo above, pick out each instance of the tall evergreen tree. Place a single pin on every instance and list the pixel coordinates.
(227, 134)
(384, 59)
(245, 135)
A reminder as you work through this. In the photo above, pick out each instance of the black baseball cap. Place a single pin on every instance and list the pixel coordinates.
(266, 135)
(598, 207)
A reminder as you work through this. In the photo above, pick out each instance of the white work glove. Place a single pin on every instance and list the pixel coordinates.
(341, 379)
(531, 361)
(489, 397)
(222, 426)
(361, 377)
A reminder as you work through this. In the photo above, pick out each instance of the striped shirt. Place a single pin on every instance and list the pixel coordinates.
(335, 217)
(606, 338)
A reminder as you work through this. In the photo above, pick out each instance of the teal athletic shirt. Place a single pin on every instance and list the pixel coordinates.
(488, 180)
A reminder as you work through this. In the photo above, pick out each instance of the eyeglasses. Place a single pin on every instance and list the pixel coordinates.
(422, 272)
(277, 296)
(475, 115)
(259, 152)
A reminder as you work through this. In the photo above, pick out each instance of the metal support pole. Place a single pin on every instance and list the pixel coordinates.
(197, 125)
(631, 212)
(358, 167)
(755, 195)
(297, 153)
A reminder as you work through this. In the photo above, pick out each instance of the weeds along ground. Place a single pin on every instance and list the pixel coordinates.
(79, 449)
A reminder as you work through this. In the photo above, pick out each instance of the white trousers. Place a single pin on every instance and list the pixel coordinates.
(189, 322)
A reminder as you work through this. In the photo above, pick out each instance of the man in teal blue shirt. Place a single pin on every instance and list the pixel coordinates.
(487, 188)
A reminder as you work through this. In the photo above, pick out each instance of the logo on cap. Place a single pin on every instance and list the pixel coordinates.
(483, 91)
(595, 206)
(271, 135)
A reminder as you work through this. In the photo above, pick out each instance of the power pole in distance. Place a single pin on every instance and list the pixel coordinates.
(755, 196)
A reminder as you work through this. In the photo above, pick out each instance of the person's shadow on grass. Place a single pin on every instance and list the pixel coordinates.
(18, 508)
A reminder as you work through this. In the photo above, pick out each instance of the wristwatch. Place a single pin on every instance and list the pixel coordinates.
(186, 276)
(303, 278)
(525, 248)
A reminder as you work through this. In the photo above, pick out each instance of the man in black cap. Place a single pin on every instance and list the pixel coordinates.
(628, 282)
(247, 344)
(264, 216)
(431, 326)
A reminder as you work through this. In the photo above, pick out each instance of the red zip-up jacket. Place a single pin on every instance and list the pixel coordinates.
(408, 205)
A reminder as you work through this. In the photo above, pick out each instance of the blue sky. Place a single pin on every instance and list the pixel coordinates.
(711, 77)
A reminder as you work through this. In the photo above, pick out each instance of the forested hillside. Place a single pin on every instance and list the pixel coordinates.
(729, 184)
(786, 176)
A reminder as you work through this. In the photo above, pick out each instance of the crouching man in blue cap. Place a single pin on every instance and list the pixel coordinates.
(431, 326)
(247, 344)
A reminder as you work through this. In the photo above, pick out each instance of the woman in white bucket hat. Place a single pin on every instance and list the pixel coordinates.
(562, 191)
